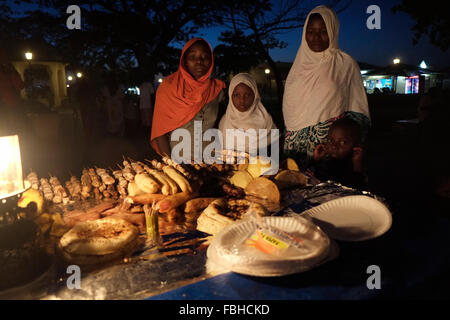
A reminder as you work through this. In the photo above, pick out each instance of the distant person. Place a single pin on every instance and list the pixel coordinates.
(12, 114)
(186, 96)
(428, 102)
(86, 95)
(112, 102)
(434, 138)
(323, 84)
(377, 91)
(340, 158)
(146, 102)
(132, 115)
(245, 111)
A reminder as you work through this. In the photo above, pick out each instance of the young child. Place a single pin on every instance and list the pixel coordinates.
(245, 111)
(341, 158)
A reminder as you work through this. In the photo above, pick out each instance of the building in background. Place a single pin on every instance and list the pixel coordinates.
(396, 78)
(401, 78)
(43, 71)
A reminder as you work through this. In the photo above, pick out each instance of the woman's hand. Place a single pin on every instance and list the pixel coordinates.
(163, 145)
(319, 152)
(357, 159)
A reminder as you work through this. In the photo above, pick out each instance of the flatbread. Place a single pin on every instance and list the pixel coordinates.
(83, 260)
(222, 212)
(98, 237)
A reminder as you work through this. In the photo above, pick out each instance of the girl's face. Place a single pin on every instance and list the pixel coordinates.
(340, 143)
(197, 60)
(243, 97)
(316, 34)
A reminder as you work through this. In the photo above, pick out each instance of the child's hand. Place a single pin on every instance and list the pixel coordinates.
(319, 152)
(357, 159)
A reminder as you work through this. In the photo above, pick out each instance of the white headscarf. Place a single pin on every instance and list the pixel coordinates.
(256, 117)
(322, 85)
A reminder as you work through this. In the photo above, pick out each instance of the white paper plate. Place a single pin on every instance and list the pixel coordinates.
(352, 218)
(223, 250)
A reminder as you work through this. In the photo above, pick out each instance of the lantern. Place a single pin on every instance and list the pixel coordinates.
(10, 166)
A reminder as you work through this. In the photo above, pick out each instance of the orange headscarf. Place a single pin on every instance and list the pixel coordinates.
(180, 97)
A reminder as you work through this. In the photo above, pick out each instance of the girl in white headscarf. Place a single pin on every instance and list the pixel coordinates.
(324, 84)
(245, 111)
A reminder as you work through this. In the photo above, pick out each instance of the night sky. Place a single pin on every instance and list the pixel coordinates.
(378, 47)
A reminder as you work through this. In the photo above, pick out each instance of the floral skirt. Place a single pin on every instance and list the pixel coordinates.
(300, 144)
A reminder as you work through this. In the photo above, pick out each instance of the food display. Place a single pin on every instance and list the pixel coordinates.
(103, 214)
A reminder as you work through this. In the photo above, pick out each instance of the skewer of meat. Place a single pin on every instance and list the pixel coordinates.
(86, 184)
(59, 193)
(95, 180)
(112, 191)
(127, 171)
(76, 187)
(104, 175)
(156, 164)
(46, 189)
(122, 184)
(32, 177)
(137, 167)
(97, 194)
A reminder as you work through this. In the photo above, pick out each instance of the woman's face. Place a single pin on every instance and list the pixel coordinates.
(243, 97)
(197, 60)
(316, 34)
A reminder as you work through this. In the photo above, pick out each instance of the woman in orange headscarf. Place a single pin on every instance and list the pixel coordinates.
(186, 96)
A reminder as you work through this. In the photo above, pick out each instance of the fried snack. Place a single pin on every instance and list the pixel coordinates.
(241, 179)
(178, 167)
(147, 198)
(146, 183)
(178, 178)
(197, 204)
(165, 182)
(289, 178)
(174, 201)
(134, 190)
(292, 165)
(160, 177)
(263, 188)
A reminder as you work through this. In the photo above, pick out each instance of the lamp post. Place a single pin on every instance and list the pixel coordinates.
(267, 72)
(29, 57)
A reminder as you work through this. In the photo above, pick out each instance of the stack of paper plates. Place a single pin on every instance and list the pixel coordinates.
(227, 249)
(352, 218)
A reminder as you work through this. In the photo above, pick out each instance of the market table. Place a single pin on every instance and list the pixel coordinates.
(411, 256)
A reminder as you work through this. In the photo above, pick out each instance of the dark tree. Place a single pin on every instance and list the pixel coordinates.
(235, 54)
(432, 20)
(118, 35)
